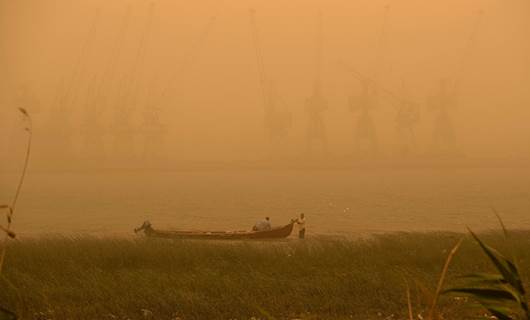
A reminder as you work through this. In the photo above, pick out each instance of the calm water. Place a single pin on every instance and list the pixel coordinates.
(345, 202)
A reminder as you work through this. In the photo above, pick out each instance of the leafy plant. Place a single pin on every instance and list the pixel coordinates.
(502, 293)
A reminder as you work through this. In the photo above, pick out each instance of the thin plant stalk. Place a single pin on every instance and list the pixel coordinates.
(506, 237)
(409, 303)
(7, 229)
(442, 279)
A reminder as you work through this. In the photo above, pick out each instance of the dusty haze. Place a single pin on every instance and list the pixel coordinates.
(163, 86)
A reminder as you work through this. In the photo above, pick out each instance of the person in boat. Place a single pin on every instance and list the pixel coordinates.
(263, 225)
(301, 226)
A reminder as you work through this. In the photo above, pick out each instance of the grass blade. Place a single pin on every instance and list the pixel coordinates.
(504, 230)
(485, 293)
(409, 304)
(483, 279)
(442, 279)
(500, 313)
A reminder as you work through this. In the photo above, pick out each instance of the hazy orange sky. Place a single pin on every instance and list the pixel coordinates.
(214, 109)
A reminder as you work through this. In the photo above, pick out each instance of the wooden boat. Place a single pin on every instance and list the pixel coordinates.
(274, 233)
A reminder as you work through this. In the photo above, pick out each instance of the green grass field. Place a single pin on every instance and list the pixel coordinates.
(324, 278)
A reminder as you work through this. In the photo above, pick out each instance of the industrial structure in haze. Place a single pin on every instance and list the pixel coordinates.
(407, 119)
(365, 135)
(276, 117)
(443, 104)
(154, 133)
(125, 131)
(316, 104)
(106, 114)
(60, 124)
(92, 129)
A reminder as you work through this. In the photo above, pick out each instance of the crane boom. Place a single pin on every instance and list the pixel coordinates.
(381, 43)
(468, 47)
(69, 95)
(361, 77)
(318, 56)
(140, 56)
(259, 56)
(108, 74)
(194, 52)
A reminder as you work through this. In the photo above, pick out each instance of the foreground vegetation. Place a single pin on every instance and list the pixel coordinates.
(90, 278)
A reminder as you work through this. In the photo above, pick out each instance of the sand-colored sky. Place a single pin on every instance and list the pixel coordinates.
(213, 109)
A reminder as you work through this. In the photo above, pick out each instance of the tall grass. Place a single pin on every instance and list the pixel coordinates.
(89, 278)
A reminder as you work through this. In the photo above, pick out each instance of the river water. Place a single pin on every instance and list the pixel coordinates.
(345, 202)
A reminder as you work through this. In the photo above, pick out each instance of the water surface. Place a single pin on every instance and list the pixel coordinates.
(335, 202)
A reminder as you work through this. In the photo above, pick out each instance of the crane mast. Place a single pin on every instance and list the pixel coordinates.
(192, 55)
(277, 120)
(259, 57)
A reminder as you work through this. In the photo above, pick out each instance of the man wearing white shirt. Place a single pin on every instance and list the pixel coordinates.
(301, 226)
(263, 225)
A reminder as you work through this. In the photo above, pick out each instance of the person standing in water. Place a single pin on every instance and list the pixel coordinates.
(301, 226)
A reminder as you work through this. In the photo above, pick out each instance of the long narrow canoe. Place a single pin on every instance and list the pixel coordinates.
(274, 233)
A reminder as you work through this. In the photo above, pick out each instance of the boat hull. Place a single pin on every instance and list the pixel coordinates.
(275, 233)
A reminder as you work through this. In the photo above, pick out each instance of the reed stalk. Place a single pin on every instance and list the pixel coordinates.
(409, 303)
(453, 251)
(11, 208)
